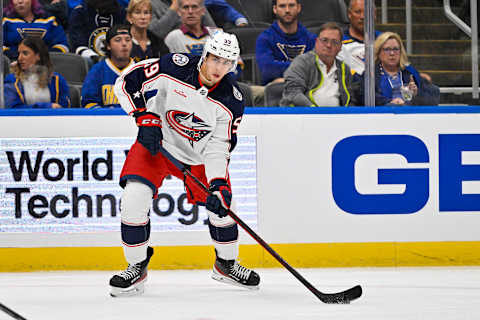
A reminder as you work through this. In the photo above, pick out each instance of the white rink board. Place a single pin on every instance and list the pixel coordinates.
(57, 185)
(296, 203)
(295, 165)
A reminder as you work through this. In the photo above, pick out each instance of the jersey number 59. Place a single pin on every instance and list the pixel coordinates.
(236, 123)
(151, 70)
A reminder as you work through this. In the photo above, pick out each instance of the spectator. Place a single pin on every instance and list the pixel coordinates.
(97, 90)
(396, 81)
(57, 8)
(192, 35)
(145, 44)
(166, 18)
(353, 48)
(26, 18)
(89, 23)
(225, 15)
(318, 78)
(33, 84)
(278, 45)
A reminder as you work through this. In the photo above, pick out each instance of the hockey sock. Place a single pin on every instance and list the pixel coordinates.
(225, 240)
(135, 240)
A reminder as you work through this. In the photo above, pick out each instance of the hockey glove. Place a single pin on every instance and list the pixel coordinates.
(220, 199)
(149, 130)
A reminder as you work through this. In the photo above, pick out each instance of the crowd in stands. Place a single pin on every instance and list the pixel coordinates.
(289, 59)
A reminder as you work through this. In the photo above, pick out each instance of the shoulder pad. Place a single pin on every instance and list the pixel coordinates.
(237, 94)
(180, 59)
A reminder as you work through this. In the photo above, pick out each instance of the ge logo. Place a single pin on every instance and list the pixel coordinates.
(406, 188)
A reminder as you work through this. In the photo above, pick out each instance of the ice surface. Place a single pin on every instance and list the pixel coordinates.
(389, 293)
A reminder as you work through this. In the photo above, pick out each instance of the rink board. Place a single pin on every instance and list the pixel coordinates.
(333, 187)
(299, 255)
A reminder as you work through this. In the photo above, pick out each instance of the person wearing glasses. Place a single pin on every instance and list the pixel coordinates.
(353, 48)
(318, 78)
(397, 82)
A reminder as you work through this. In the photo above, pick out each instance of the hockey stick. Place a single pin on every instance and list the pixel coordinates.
(11, 313)
(339, 297)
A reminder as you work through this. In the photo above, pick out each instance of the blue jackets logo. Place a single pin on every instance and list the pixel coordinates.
(415, 178)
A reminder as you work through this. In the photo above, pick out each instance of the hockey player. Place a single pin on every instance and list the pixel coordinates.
(195, 116)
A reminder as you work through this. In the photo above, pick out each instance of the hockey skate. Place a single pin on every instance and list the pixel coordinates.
(231, 272)
(131, 282)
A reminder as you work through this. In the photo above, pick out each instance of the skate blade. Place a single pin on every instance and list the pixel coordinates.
(131, 291)
(223, 279)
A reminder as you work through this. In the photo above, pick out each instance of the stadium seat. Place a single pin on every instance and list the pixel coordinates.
(247, 94)
(259, 13)
(247, 38)
(315, 29)
(316, 12)
(71, 66)
(273, 94)
(75, 97)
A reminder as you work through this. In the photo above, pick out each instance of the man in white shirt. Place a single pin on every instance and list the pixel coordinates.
(191, 36)
(318, 78)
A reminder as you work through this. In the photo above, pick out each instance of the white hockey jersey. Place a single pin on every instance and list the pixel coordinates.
(199, 124)
(353, 52)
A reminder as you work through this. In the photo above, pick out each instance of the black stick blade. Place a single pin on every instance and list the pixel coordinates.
(343, 297)
(11, 313)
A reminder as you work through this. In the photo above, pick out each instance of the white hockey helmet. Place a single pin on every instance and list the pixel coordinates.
(224, 45)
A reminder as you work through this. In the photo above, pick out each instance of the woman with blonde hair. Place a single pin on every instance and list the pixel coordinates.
(397, 82)
(33, 84)
(145, 44)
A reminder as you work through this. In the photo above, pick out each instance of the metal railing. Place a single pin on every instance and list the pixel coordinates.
(369, 59)
(384, 11)
(472, 32)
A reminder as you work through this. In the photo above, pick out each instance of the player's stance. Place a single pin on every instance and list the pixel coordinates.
(194, 114)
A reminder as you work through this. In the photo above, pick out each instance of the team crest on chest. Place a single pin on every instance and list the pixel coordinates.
(180, 59)
(31, 32)
(96, 40)
(188, 125)
(237, 94)
(290, 51)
